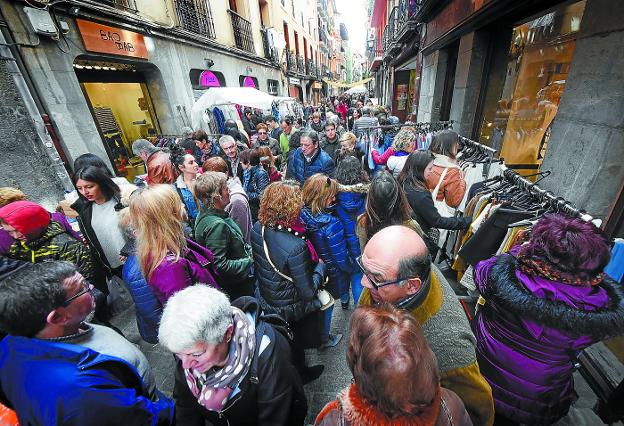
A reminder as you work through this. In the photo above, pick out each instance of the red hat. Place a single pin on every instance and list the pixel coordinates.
(26, 217)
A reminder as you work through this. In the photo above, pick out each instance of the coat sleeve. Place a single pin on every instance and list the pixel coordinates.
(80, 255)
(481, 273)
(276, 385)
(468, 383)
(329, 167)
(306, 281)
(239, 212)
(335, 239)
(381, 159)
(455, 188)
(169, 278)
(187, 410)
(218, 238)
(425, 207)
(261, 178)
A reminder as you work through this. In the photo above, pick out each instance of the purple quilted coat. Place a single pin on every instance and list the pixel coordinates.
(530, 332)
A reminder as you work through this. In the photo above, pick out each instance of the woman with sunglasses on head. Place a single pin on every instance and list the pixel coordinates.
(265, 140)
(328, 238)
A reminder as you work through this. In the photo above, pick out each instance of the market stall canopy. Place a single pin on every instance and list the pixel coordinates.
(245, 96)
(357, 89)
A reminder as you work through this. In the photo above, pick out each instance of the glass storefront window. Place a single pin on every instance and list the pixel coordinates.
(537, 67)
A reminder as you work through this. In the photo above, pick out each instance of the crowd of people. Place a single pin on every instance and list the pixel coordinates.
(236, 251)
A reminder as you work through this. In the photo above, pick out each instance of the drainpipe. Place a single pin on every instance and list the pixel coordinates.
(10, 53)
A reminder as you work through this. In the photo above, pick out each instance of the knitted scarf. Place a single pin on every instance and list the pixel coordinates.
(543, 268)
(213, 388)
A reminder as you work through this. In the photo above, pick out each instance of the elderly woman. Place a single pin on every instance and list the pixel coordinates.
(287, 268)
(403, 144)
(397, 387)
(545, 302)
(216, 230)
(169, 261)
(233, 368)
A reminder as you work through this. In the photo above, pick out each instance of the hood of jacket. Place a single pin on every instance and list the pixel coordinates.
(314, 222)
(515, 297)
(235, 187)
(353, 202)
(444, 161)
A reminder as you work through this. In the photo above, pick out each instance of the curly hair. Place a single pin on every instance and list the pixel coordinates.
(403, 140)
(568, 244)
(349, 171)
(9, 194)
(281, 204)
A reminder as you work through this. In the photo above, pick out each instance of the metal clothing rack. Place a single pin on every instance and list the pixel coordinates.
(433, 125)
(558, 204)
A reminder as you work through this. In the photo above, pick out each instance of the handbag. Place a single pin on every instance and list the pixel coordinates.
(326, 299)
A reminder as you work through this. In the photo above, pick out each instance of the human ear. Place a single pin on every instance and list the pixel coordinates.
(412, 285)
(56, 317)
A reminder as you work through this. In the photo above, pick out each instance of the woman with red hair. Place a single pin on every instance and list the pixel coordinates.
(395, 376)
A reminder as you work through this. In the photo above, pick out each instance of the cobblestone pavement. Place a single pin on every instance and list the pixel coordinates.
(336, 375)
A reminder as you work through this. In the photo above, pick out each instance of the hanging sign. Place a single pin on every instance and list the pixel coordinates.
(209, 79)
(294, 81)
(116, 41)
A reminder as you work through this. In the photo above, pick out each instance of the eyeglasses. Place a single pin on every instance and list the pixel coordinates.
(86, 288)
(262, 133)
(371, 280)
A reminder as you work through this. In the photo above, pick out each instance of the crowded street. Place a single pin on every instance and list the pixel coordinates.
(311, 212)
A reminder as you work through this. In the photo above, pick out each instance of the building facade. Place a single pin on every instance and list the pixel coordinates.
(538, 81)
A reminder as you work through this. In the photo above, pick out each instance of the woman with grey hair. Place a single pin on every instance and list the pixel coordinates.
(233, 367)
(216, 230)
(403, 144)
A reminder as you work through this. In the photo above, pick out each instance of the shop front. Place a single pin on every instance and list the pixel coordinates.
(317, 88)
(526, 83)
(248, 81)
(294, 88)
(116, 90)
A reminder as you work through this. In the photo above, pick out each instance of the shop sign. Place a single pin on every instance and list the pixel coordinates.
(116, 41)
(401, 96)
(249, 82)
(294, 81)
(317, 86)
(209, 79)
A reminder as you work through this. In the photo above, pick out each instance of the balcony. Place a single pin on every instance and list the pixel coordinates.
(291, 62)
(243, 37)
(311, 68)
(375, 57)
(401, 26)
(270, 52)
(300, 64)
(129, 5)
(326, 72)
(194, 16)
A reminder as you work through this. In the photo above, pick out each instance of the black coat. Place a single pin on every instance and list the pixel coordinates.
(427, 215)
(290, 254)
(276, 399)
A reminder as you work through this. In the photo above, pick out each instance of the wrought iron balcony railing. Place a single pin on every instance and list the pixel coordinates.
(291, 62)
(270, 52)
(300, 64)
(195, 16)
(122, 4)
(243, 36)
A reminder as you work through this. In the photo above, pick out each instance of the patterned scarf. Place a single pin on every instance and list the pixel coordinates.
(531, 266)
(213, 389)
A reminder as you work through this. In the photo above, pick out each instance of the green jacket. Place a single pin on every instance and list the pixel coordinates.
(216, 230)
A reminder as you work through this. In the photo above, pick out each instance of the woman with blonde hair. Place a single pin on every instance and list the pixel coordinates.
(348, 147)
(170, 262)
(288, 270)
(403, 144)
(328, 238)
(216, 230)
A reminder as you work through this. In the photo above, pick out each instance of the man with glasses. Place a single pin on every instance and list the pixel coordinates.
(397, 269)
(47, 303)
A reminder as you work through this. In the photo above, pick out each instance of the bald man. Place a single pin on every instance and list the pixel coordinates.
(397, 269)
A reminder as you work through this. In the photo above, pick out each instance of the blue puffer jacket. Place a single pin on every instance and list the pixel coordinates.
(350, 206)
(147, 306)
(328, 238)
(299, 169)
(49, 383)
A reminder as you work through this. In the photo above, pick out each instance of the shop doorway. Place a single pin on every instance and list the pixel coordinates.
(449, 81)
(122, 108)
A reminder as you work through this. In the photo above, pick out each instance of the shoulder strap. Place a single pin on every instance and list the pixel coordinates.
(253, 377)
(434, 193)
(266, 252)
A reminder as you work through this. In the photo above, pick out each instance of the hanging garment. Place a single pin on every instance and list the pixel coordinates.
(219, 119)
(615, 268)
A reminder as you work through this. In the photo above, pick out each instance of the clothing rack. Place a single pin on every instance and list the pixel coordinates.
(559, 204)
(433, 125)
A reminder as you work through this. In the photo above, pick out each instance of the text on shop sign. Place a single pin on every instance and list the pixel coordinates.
(104, 39)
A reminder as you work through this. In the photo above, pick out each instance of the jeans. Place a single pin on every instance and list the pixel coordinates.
(356, 289)
(327, 316)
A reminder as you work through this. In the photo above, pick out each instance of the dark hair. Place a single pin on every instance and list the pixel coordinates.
(299, 121)
(188, 144)
(86, 160)
(30, 293)
(245, 156)
(349, 171)
(386, 204)
(288, 120)
(268, 118)
(313, 135)
(99, 176)
(229, 124)
(443, 143)
(200, 135)
(570, 245)
(294, 141)
(330, 123)
(392, 364)
(178, 153)
(418, 266)
(413, 173)
(254, 158)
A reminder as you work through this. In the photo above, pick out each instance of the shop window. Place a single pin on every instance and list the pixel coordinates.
(272, 87)
(205, 79)
(524, 89)
(248, 81)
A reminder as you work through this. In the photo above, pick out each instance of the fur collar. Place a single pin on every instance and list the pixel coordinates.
(512, 296)
(359, 412)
